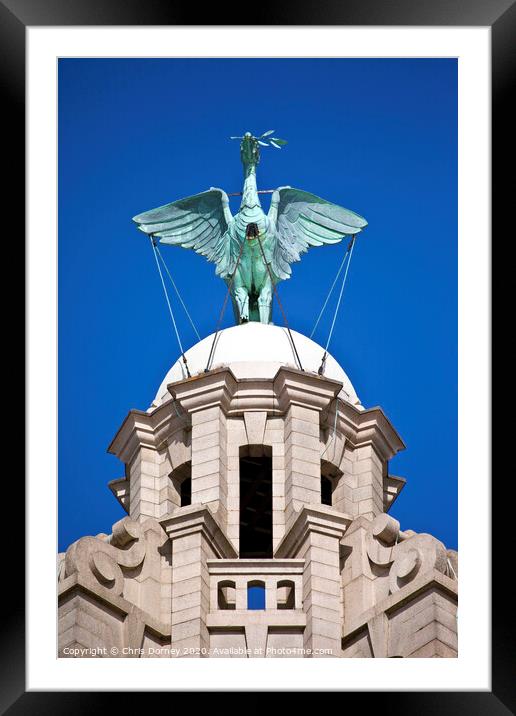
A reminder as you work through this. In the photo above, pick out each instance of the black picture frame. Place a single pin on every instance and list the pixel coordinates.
(15, 17)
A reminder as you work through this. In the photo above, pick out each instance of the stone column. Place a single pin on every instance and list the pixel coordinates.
(370, 442)
(368, 469)
(302, 396)
(206, 398)
(302, 460)
(241, 593)
(274, 436)
(144, 491)
(315, 537)
(271, 593)
(209, 460)
(236, 438)
(196, 537)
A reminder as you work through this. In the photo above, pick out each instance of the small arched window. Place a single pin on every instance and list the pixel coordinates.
(255, 530)
(331, 486)
(256, 595)
(181, 479)
(226, 594)
(286, 590)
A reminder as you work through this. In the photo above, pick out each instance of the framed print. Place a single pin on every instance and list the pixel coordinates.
(298, 447)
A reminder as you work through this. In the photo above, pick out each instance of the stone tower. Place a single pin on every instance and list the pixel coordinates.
(257, 496)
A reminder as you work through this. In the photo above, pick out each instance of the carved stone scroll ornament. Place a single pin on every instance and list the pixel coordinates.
(103, 557)
(404, 554)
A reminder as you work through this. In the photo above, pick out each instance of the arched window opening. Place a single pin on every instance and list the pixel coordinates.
(330, 481)
(255, 503)
(181, 479)
(226, 595)
(256, 595)
(286, 590)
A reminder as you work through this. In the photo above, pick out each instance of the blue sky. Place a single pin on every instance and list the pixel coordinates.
(378, 136)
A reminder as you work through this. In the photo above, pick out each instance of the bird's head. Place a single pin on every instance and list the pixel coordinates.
(250, 145)
(249, 150)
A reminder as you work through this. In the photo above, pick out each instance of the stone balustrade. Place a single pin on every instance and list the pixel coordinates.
(230, 579)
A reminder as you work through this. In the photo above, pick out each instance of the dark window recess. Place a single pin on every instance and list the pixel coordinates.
(326, 490)
(255, 507)
(181, 479)
(286, 595)
(226, 595)
(185, 490)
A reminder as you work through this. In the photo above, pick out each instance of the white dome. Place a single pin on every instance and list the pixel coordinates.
(256, 350)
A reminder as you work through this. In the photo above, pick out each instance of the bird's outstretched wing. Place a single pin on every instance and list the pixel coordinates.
(302, 220)
(199, 222)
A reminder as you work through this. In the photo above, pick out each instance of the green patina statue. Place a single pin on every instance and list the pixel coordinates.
(252, 251)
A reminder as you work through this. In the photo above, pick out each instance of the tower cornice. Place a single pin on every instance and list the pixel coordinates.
(308, 390)
(321, 519)
(206, 390)
(369, 427)
(220, 388)
(195, 519)
(145, 429)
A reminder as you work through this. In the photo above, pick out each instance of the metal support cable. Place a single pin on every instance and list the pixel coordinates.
(153, 244)
(177, 292)
(280, 304)
(351, 246)
(330, 292)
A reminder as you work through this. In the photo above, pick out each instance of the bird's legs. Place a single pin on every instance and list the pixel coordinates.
(265, 301)
(242, 301)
